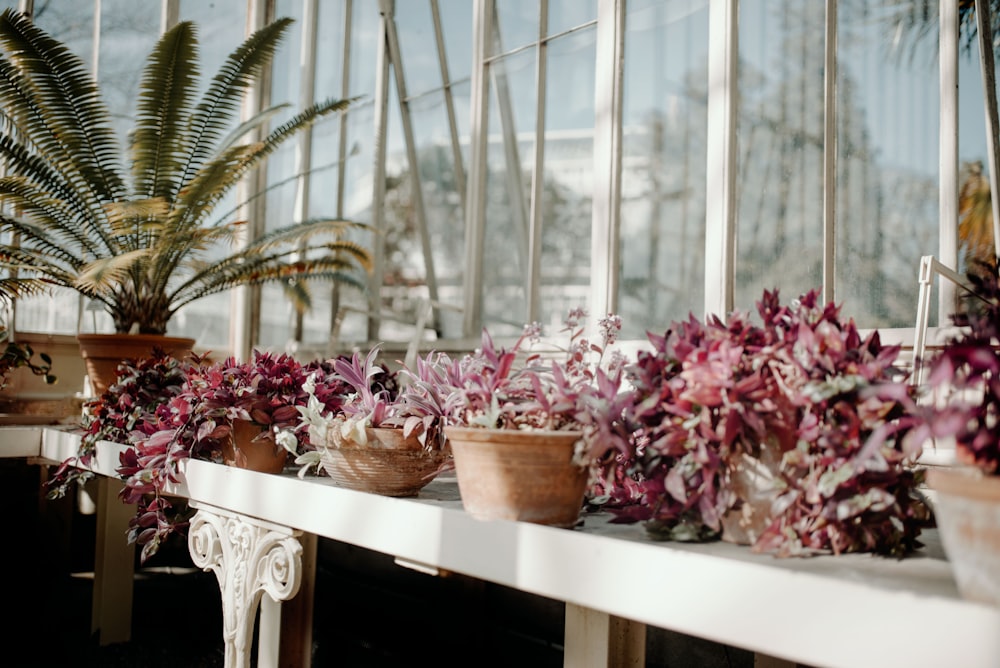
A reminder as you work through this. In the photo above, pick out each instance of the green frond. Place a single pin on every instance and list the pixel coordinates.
(216, 178)
(62, 103)
(221, 102)
(136, 217)
(166, 93)
(102, 275)
(209, 185)
(298, 295)
(29, 263)
(246, 127)
(42, 224)
(20, 288)
(75, 215)
(304, 232)
(267, 270)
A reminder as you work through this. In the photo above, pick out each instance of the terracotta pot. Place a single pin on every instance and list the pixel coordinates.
(388, 464)
(241, 451)
(528, 476)
(102, 353)
(967, 511)
(753, 481)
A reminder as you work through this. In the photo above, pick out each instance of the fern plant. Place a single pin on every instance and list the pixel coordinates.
(134, 228)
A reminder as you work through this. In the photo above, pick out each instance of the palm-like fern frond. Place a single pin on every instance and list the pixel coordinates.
(145, 246)
(163, 112)
(62, 107)
(222, 100)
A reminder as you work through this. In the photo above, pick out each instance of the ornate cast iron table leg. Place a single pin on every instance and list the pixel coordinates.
(249, 557)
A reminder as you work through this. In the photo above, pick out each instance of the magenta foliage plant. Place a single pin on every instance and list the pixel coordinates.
(528, 386)
(125, 413)
(802, 394)
(197, 420)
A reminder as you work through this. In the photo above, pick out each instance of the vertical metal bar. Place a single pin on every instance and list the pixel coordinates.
(170, 14)
(830, 155)
(449, 105)
(984, 29)
(378, 177)
(475, 215)
(245, 302)
(303, 148)
(345, 88)
(720, 191)
(345, 92)
(534, 274)
(948, 154)
(606, 218)
(95, 48)
(518, 209)
(27, 7)
(419, 211)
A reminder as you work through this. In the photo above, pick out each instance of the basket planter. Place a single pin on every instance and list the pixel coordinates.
(967, 510)
(242, 451)
(528, 476)
(389, 464)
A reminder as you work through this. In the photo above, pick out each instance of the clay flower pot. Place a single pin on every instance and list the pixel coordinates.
(967, 510)
(388, 464)
(511, 474)
(242, 451)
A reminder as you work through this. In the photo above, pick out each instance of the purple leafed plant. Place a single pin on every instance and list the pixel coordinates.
(124, 414)
(794, 431)
(197, 421)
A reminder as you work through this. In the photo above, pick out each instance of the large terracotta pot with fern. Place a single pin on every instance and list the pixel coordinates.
(134, 229)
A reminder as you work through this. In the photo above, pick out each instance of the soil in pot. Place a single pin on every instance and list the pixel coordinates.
(527, 476)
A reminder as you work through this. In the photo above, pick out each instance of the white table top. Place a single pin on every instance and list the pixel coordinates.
(849, 610)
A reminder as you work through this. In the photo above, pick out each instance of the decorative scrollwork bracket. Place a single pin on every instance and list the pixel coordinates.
(249, 557)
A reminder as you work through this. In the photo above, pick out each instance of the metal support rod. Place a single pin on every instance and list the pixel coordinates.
(830, 155)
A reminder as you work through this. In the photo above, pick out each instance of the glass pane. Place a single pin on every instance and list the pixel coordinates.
(417, 46)
(508, 179)
(73, 25)
(663, 174)
(566, 14)
(220, 28)
(330, 50)
(887, 176)
(568, 176)
(129, 30)
(516, 23)
(456, 24)
(780, 140)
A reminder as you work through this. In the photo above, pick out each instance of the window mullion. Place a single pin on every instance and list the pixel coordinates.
(720, 188)
(534, 272)
(606, 209)
(830, 154)
(475, 213)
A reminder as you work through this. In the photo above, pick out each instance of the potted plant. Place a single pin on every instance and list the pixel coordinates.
(167, 410)
(386, 438)
(523, 426)
(133, 230)
(965, 379)
(793, 435)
